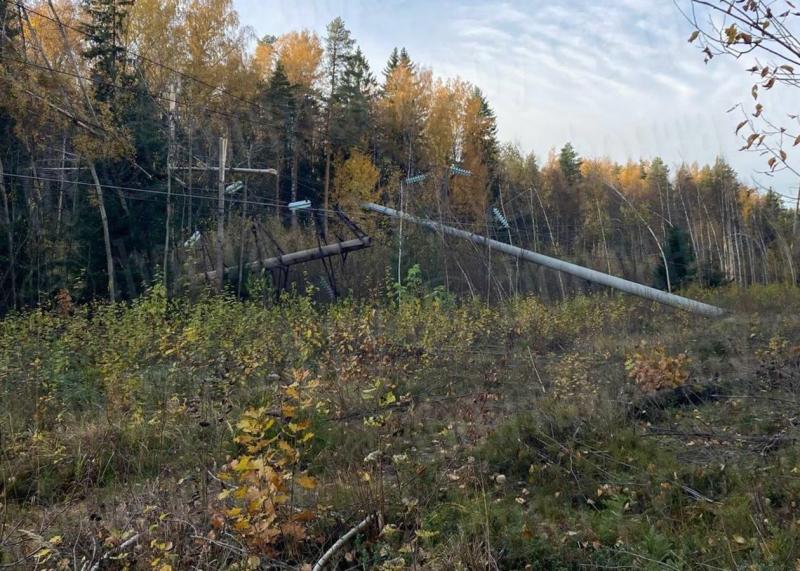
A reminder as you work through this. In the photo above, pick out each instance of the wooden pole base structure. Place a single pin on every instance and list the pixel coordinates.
(587, 274)
(300, 257)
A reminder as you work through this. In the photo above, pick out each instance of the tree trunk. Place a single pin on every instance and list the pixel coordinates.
(295, 165)
(278, 174)
(553, 240)
(106, 234)
(9, 228)
(326, 193)
(168, 222)
(60, 207)
(242, 234)
(326, 188)
(794, 220)
(220, 245)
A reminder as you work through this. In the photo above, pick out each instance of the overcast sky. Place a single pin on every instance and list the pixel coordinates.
(617, 78)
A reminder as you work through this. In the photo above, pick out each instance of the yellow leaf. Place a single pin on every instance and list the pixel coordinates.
(307, 482)
(694, 35)
(242, 464)
(739, 539)
(388, 399)
(248, 425)
(241, 525)
(287, 448)
(297, 427)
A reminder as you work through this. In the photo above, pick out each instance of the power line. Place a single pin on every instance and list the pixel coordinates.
(213, 88)
(98, 81)
(270, 204)
(139, 56)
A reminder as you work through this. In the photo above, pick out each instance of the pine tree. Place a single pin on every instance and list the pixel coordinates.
(338, 48)
(279, 106)
(301, 55)
(660, 190)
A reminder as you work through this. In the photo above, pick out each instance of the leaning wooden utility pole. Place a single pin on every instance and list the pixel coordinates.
(222, 168)
(614, 282)
(220, 268)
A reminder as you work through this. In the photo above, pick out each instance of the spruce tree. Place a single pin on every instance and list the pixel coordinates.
(394, 59)
(680, 260)
(354, 97)
(570, 164)
(105, 52)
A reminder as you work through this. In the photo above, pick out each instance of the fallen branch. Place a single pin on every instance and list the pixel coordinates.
(342, 540)
(235, 549)
(131, 540)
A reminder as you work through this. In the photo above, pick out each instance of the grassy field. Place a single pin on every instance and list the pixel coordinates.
(599, 433)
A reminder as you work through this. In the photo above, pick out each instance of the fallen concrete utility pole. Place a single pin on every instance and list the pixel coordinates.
(293, 258)
(559, 265)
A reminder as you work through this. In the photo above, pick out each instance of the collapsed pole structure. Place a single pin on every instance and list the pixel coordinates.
(294, 258)
(601, 278)
(283, 261)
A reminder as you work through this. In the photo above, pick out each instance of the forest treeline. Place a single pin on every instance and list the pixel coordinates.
(111, 116)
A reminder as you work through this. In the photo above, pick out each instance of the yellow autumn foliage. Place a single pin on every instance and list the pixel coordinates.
(356, 180)
(301, 56)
